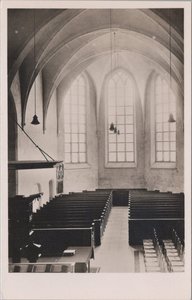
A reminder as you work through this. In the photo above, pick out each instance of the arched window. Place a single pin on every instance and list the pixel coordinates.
(165, 131)
(75, 147)
(121, 112)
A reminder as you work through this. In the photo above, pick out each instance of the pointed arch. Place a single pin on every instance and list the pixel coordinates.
(160, 105)
(75, 121)
(122, 106)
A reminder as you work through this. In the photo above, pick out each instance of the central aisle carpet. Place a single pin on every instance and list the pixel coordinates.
(115, 255)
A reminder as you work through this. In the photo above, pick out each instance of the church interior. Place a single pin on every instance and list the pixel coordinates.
(96, 140)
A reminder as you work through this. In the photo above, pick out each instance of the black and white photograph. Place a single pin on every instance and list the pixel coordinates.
(96, 150)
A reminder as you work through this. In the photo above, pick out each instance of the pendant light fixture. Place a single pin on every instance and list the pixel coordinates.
(112, 126)
(171, 117)
(35, 120)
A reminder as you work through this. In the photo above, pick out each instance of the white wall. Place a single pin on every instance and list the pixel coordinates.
(95, 174)
(28, 179)
(143, 175)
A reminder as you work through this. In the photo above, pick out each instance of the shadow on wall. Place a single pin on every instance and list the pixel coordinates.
(39, 188)
(51, 189)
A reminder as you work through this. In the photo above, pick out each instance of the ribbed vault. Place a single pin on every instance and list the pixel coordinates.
(67, 41)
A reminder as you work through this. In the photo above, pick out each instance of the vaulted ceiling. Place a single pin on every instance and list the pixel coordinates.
(69, 40)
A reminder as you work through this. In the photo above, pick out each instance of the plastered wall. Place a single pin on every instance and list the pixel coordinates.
(95, 174)
(29, 181)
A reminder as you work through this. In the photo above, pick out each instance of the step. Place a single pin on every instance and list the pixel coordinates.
(174, 258)
(147, 241)
(150, 255)
(152, 264)
(150, 251)
(148, 247)
(177, 263)
(167, 241)
(172, 253)
(151, 259)
(178, 269)
(153, 269)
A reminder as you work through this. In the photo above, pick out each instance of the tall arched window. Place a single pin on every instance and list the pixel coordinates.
(75, 122)
(165, 131)
(121, 112)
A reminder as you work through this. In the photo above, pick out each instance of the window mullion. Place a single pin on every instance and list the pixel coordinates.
(134, 124)
(169, 126)
(164, 145)
(78, 116)
(124, 110)
(116, 141)
(121, 148)
(86, 116)
(70, 124)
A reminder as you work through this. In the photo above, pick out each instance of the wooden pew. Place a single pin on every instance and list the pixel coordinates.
(162, 211)
(73, 218)
(55, 240)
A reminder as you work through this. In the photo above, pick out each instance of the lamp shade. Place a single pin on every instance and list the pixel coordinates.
(35, 120)
(171, 118)
(112, 127)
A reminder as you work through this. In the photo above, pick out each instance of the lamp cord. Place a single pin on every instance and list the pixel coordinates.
(110, 20)
(170, 70)
(41, 150)
(34, 59)
(115, 51)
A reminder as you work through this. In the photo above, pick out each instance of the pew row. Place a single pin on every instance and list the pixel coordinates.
(147, 210)
(72, 220)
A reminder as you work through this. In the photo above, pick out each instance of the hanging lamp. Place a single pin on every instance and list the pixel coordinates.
(171, 117)
(112, 126)
(35, 120)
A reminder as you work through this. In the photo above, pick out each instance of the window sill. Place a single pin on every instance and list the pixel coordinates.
(116, 165)
(75, 166)
(163, 165)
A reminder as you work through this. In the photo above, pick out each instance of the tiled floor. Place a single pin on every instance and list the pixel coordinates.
(115, 255)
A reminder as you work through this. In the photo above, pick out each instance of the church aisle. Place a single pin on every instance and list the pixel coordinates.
(115, 255)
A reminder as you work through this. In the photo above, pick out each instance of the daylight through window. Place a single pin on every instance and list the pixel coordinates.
(165, 132)
(120, 104)
(75, 122)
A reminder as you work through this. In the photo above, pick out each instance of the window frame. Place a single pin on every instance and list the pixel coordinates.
(154, 162)
(77, 165)
(117, 164)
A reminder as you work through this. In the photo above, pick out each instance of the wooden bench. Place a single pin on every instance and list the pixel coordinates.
(148, 210)
(73, 219)
(55, 240)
